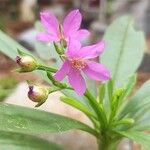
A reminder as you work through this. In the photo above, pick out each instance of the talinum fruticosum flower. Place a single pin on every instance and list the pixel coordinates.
(78, 60)
(54, 31)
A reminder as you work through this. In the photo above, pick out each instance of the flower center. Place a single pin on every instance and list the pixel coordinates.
(78, 63)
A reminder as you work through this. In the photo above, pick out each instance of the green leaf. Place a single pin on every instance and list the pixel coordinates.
(91, 85)
(138, 108)
(128, 90)
(143, 124)
(138, 101)
(129, 86)
(124, 50)
(19, 141)
(109, 88)
(110, 85)
(42, 50)
(26, 120)
(76, 104)
(9, 47)
(139, 137)
(101, 93)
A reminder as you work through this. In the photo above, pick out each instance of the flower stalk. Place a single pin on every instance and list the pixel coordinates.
(49, 69)
(106, 143)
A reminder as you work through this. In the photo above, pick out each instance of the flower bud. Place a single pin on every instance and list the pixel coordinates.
(118, 93)
(59, 49)
(63, 42)
(38, 93)
(27, 63)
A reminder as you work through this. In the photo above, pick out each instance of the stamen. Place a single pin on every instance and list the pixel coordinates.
(78, 63)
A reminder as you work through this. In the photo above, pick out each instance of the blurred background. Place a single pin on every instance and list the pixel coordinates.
(20, 19)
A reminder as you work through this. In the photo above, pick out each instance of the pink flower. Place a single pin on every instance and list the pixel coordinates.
(78, 60)
(55, 32)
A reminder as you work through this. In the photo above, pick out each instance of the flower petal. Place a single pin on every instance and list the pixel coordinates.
(45, 37)
(50, 22)
(73, 47)
(63, 71)
(96, 71)
(81, 34)
(92, 51)
(77, 81)
(72, 22)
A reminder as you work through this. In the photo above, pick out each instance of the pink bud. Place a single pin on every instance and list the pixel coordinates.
(38, 93)
(26, 63)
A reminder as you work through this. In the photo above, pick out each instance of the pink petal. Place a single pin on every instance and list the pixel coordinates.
(63, 71)
(81, 34)
(73, 47)
(77, 81)
(72, 22)
(96, 71)
(45, 37)
(92, 51)
(50, 22)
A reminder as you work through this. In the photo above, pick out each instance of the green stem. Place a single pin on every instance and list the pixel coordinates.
(100, 113)
(57, 83)
(45, 68)
(55, 89)
(107, 144)
(90, 130)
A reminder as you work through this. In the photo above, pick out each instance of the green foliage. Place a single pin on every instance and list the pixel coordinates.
(139, 137)
(112, 116)
(124, 50)
(19, 141)
(138, 101)
(76, 104)
(7, 84)
(138, 107)
(122, 44)
(128, 87)
(3, 94)
(9, 47)
(26, 120)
